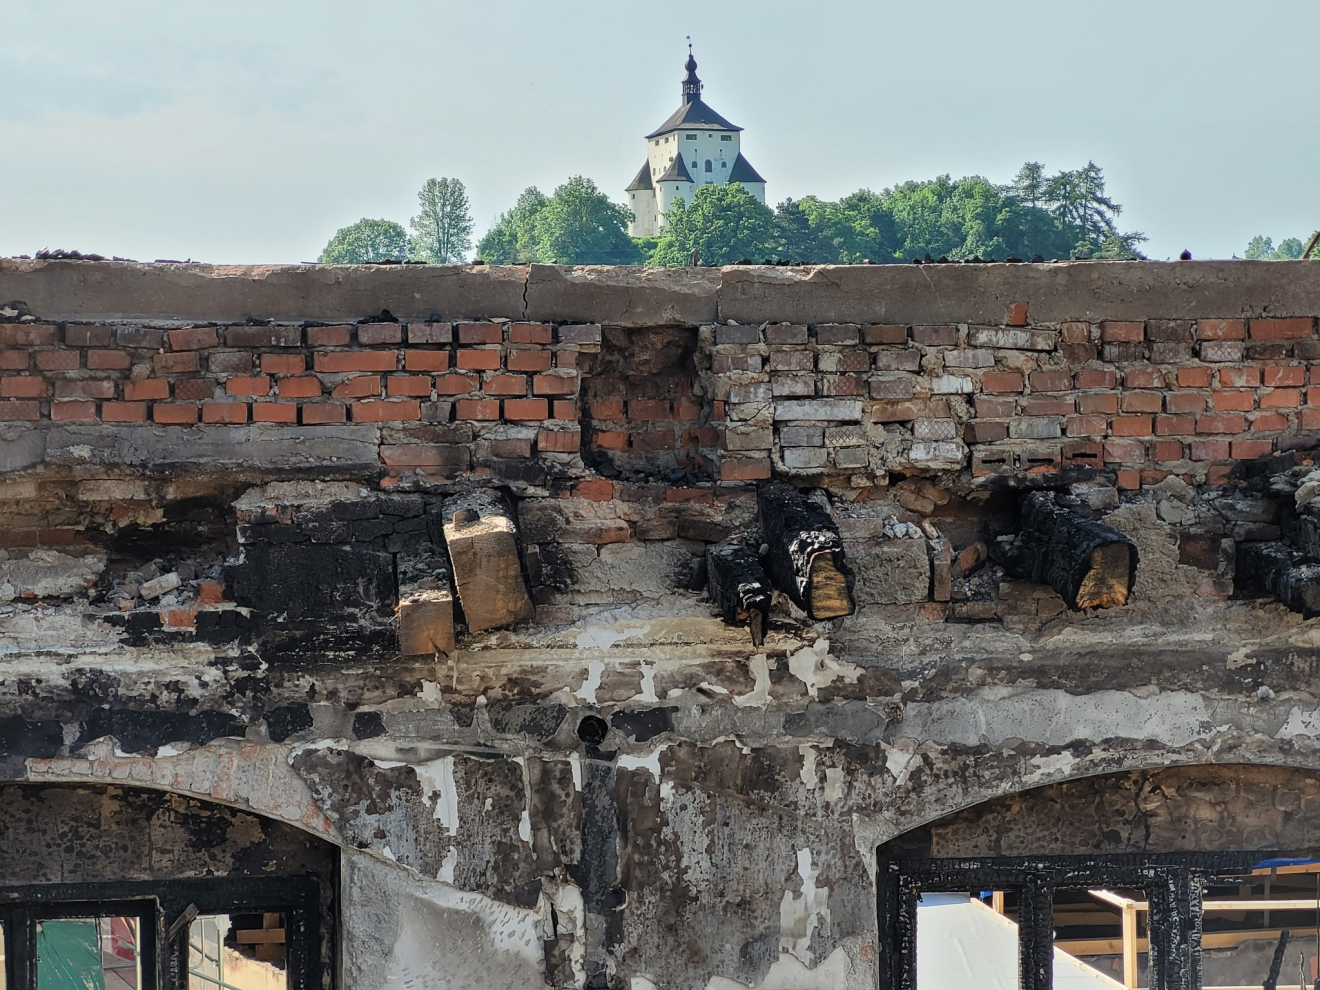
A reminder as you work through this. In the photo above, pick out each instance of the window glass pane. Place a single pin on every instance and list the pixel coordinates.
(1245, 915)
(237, 952)
(1100, 939)
(964, 942)
(88, 954)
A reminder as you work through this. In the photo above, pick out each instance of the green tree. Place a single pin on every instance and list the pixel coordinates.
(1263, 249)
(443, 228)
(512, 241)
(367, 241)
(723, 224)
(1260, 248)
(579, 225)
(1029, 183)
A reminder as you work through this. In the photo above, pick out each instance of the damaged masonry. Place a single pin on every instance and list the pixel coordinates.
(446, 627)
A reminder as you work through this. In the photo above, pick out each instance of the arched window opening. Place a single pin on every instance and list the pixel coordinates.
(709, 167)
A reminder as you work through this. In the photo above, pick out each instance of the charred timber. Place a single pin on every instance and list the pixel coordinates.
(1089, 564)
(1282, 572)
(738, 585)
(805, 557)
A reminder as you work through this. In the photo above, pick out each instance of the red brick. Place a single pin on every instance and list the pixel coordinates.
(558, 441)
(20, 410)
(108, 360)
(610, 410)
(328, 337)
(648, 409)
(1047, 405)
(147, 389)
(1168, 450)
(1184, 402)
(1221, 423)
(193, 338)
(179, 413)
(13, 360)
(357, 388)
(1143, 378)
(1267, 422)
(425, 360)
(1246, 450)
(1175, 426)
(989, 432)
(555, 385)
(716, 410)
(210, 592)
(1130, 426)
(506, 385)
(283, 364)
(1124, 452)
(527, 359)
(530, 333)
(1246, 377)
(1168, 331)
(1281, 398)
(1142, 402)
(564, 409)
(878, 334)
(1001, 382)
(1220, 330)
(1096, 378)
(263, 335)
(745, 469)
(22, 387)
(1275, 376)
(1077, 426)
(341, 362)
(1075, 332)
(1194, 377)
(375, 334)
(175, 364)
(314, 413)
(58, 360)
(1234, 400)
(1313, 396)
(522, 409)
(456, 384)
(94, 388)
(1210, 450)
(274, 412)
(300, 387)
(194, 389)
(686, 411)
(1098, 402)
(1128, 480)
(481, 333)
(240, 385)
(597, 490)
(478, 360)
(935, 336)
(1015, 314)
(1050, 381)
(224, 412)
(1285, 329)
(87, 336)
(73, 409)
(479, 409)
(615, 440)
(418, 386)
(124, 412)
(29, 335)
(1122, 333)
(386, 411)
(1309, 419)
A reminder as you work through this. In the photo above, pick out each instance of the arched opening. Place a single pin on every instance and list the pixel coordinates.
(710, 167)
(1178, 878)
(126, 888)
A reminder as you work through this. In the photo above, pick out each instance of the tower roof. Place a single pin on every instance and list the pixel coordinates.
(694, 114)
(677, 172)
(742, 171)
(643, 180)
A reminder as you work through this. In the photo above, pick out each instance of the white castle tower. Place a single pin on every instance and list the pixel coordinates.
(694, 147)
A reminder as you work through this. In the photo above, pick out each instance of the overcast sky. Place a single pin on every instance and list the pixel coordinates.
(250, 131)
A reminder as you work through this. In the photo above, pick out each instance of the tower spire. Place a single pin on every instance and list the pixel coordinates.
(691, 84)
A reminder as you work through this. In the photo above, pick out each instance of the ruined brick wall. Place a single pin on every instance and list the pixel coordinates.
(215, 484)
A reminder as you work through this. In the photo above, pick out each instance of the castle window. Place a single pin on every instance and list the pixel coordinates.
(709, 168)
(690, 137)
(724, 164)
(726, 137)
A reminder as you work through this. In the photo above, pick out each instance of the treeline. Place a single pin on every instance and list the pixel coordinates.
(1036, 216)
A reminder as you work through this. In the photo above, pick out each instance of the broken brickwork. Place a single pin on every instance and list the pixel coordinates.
(606, 622)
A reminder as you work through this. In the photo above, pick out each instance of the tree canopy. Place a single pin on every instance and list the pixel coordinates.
(443, 228)
(367, 241)
(1263, 249)
(723, 224)
(577, 225)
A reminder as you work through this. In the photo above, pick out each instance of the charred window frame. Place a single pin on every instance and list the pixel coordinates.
(158, 906)
(1172, 883)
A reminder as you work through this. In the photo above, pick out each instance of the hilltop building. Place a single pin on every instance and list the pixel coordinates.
(694, 147)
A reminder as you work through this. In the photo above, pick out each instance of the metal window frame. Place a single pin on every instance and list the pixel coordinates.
(157, 904)
(1173, 883)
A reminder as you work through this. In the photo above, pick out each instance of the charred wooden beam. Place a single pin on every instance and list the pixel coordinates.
(1089, 564)
(1282, 572)
(805, 559)
(737, 583)
(483, 547)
